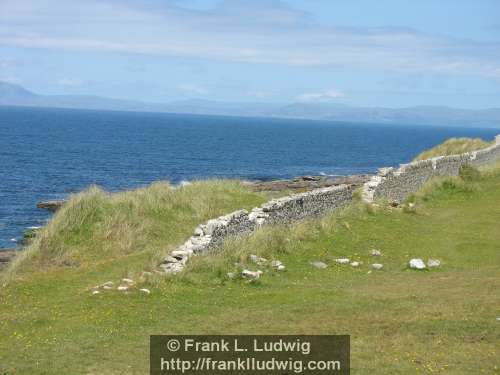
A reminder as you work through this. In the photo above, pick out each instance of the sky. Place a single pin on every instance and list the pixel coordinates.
(391, 53)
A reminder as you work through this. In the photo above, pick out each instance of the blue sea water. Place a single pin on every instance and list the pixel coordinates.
(49, 153)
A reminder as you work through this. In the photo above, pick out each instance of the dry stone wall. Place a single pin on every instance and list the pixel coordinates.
(389, 183)
(396, 184)
(212, 234)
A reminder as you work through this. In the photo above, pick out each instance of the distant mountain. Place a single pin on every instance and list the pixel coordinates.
(15, 95)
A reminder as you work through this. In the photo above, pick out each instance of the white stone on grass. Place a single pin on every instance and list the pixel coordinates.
(107, 284)
(122, 288)
(355, 264)
(276, 263)
(107, 287)
(375, 253)
(257, 260)
(319, 264)
(95, 292)
(144, 290)
(377, 266)
(280, 267)
(251, 275)
(432, 263)
(417, 264)
(342, 260)
(128, 281)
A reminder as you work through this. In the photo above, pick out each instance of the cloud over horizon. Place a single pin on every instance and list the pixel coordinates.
(259, 32)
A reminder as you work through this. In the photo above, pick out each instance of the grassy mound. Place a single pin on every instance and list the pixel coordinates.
(454, 146)
(400, 321)
(95, 226)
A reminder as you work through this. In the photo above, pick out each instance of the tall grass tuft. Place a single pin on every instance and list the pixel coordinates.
(454, 146)
(96, 226)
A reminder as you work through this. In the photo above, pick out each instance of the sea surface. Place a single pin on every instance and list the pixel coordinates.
(50, 153)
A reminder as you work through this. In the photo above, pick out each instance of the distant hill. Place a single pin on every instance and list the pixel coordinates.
(15, 95)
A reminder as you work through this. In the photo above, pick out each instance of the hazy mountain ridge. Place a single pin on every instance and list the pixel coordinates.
(15, 95)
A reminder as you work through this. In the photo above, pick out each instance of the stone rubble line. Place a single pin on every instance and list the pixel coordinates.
(389, 183)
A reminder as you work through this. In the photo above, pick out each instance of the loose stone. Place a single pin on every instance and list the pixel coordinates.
(342, 260)
(432, 263)
(417, 264)
(319, 264)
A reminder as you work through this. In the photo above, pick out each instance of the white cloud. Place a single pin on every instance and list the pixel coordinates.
(258, 31)
(192, 89)
(324, 96)
(70, 82)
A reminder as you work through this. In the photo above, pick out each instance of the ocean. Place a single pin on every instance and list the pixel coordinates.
(49, 153)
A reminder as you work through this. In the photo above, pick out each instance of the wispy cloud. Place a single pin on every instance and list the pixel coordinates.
(325, 96)
(258, 31)
(192, 89)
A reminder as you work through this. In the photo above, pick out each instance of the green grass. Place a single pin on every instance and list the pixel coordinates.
(454, 146)
(400, 321)
(95, 226)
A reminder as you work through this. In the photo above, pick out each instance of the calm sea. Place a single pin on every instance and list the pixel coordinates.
(49, 153)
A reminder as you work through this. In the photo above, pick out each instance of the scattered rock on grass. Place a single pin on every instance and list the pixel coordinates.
(355, 264)
(377, 266)
(122, 288)
(375, 253)
(417, 264)
(144, 290)
(95, 292)
(342, 260)
(107, 284)
(128, 281)
(251, 275)
(432, 263)
(257, 260)
(319, 264)
(278, 265)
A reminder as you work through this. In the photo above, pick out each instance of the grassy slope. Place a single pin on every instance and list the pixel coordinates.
(95, 226)
(400, 321)
(454, 146)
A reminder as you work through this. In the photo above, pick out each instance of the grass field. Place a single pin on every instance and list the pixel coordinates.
(400, 321)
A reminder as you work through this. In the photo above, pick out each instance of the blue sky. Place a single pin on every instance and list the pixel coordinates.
(391, 53)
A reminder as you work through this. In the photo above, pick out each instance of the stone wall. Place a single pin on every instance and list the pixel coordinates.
(396, 184)
(389, 183)
(284, 210)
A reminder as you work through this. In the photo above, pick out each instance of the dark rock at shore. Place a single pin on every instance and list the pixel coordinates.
(53, 205)
(305, 183)
(6, 255)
